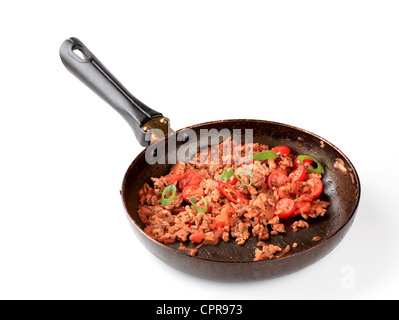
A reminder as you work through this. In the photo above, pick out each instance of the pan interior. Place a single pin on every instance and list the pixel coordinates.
(342, 191)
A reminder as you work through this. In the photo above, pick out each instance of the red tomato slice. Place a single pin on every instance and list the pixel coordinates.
(189, 177)
(229, 192)
(281, 150)
(277, 178)
(172, 178)
(304, 161)
(299, 174)
(197, 237)
(222, 219)
(284, 208)
(192, 190)
(316, 187)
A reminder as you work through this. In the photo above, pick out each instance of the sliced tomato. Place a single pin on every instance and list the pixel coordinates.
(281, 150)
(189, 177)
(305, 162)
(299, 174)
(192, 190)
(222, 219)
(172, 178)
(316, 187)
(229, 192)
(197, 237)
(277, 179)
(284, 208)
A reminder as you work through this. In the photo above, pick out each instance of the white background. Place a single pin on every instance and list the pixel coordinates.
(331, 67)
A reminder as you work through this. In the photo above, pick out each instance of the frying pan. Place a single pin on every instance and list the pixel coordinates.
(227, 260)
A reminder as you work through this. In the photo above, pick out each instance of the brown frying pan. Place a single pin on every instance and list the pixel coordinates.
(227, 260)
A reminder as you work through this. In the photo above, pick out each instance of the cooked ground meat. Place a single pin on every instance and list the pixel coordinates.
(236, 199)
(299, 224)
(266, 253)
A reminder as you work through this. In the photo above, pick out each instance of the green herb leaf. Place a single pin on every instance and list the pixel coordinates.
(261, 156)
(250, 174)
(319, 166)
(193, 201)
(169, 189)
(226, 175)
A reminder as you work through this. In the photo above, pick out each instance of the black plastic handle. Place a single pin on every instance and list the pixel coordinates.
(93, 73)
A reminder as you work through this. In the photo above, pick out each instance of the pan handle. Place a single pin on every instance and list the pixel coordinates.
(93, 74)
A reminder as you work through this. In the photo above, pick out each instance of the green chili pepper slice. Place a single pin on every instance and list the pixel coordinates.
(193, 201)
(169, 189)
(319, 166)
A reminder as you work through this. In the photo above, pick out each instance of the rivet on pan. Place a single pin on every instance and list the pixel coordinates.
(164, 120)
(146, 129)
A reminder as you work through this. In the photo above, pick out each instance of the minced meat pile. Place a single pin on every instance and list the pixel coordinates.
(209, 203)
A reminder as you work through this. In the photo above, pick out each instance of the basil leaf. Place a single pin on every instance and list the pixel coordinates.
(226, 175)
(169, 189)
(193, 200)
(261, 156)
(247, 173)
(319, 166)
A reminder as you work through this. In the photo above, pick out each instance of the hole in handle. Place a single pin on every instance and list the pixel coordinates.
(81, 52)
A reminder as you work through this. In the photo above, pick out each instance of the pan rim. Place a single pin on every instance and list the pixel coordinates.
(288, 256)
